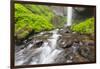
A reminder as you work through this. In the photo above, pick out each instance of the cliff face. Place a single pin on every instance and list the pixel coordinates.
(79, 13)
(59, 10)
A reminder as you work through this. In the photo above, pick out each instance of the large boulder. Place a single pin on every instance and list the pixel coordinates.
(68, 40)
(87, 52)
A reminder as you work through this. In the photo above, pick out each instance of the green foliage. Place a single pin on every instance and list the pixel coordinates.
(26, 20)
(44, 11)
(85, 27)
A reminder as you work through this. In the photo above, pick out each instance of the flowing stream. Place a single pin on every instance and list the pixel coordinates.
(42, 55)
(46, 53)
(59, 47)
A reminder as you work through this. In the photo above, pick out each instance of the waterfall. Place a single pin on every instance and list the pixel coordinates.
(69, 16)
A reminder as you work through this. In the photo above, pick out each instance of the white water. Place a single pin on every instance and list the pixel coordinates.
(50, 53)
(45, 54)
(53, 39)
(69, 16)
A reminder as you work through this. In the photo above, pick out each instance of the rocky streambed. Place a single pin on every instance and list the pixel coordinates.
(57, 46)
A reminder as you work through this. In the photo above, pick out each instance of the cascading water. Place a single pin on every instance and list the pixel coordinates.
(45, 54)
(69, 16)
(53, 52)
(54, 49)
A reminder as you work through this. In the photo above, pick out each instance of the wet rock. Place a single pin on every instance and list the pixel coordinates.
(64, 31)
(43, 36)
(68, 44)
(65, 43)
(90, 43)
(78, 59)
(70, 55)
(76, 41)
(65, 56)
(61, 58)
(84, 51)
(38, 43)
(87, 52)
(92, 36)
(34, 43)
(67, 31)
(29, 39)
(68, 41)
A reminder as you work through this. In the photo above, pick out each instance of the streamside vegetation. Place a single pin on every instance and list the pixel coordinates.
(42, 34)
(84, 27)
(34, 18)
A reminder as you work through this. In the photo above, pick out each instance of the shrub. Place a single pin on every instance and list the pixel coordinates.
(85, 27)
(26, 21)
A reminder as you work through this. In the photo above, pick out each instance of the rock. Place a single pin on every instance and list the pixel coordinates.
(64, 31)
(87, 52)
(61, 58)
(84, 51)
(67, 40)
(38, 43)
(34, 43)
(65, 56)
(92, 36)
(67, 31)
(63, 43)
(43, 36)
(80, 43)
(78, 59)
(68, 44)
(88, 43)
(76, 41)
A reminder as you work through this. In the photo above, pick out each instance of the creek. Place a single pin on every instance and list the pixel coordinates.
(52, 49)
